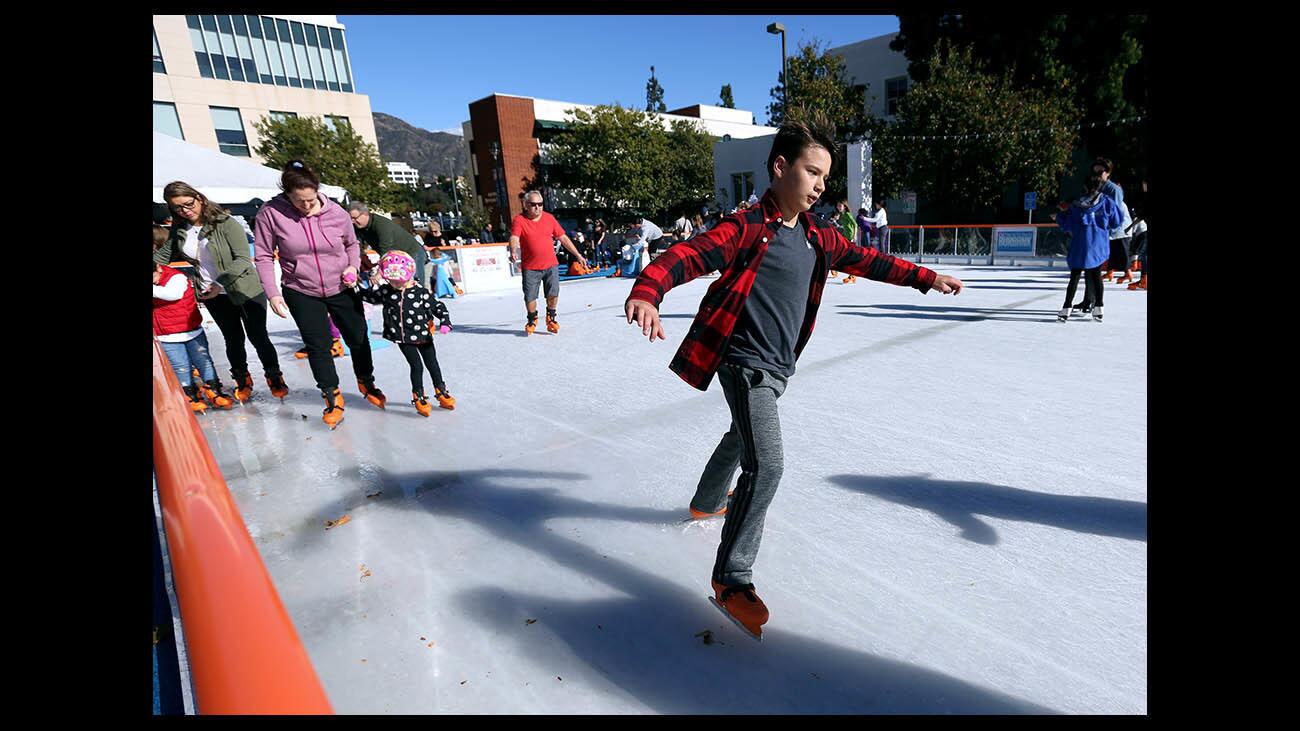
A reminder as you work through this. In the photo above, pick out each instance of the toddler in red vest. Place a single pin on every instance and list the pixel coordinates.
(179, 328)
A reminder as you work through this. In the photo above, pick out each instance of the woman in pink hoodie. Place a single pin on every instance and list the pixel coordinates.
(319, 257)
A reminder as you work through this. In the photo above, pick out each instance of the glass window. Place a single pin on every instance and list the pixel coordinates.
(300, 54)
(313, 57)
(230, 131)
(227, 34)
(327, 57)
(165, 120)
(273, 53)
(281, 116)
(200, 48)
(333, 122)
(245, 49)
(286, 50)
(742, 185)
(158, 66)
(341, 60)
(895, 88)
(259, 48)
(214, 47)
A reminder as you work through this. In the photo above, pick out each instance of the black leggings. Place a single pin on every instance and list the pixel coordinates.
(1092, 292)
(236, 321)
(344, 309)
(413, 355)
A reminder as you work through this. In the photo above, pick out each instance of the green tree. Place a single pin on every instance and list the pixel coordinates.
(338, 155)
(965, 134)
(475, 215)
(1098, 56)
(421, 199)
(725, 97)
(625, 161)
(654, 94)
(819, 82)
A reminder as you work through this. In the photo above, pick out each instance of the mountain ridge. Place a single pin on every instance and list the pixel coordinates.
(401, 141)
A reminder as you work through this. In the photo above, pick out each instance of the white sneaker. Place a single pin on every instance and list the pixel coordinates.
(1096, 313)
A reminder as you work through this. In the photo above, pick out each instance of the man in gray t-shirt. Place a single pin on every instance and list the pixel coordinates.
(769, 325)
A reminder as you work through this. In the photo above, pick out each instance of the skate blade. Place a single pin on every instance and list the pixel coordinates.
(756, 637)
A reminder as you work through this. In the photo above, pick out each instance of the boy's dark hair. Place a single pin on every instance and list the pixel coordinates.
(1091, 184)
(159, 236)
(297, 175)
(794, 136)
(1105, 163)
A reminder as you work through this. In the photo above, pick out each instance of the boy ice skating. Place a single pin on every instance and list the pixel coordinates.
(752, 324)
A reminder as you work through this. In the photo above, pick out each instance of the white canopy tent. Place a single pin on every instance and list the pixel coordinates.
(223, 178)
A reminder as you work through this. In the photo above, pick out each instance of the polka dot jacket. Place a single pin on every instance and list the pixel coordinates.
(408, 313)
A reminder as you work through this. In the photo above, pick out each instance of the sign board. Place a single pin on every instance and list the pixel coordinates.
(1014, 240)
(484, 269)
(1031, 201)
(909, 201)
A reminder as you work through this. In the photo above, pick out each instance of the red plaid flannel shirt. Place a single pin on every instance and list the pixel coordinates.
(735, 247)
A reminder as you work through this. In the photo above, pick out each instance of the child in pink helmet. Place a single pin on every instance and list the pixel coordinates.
(409, 315)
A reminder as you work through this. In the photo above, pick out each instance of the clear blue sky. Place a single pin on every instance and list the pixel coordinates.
(426, 69)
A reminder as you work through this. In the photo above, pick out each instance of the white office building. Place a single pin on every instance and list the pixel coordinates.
(215, 75)
(403, 174)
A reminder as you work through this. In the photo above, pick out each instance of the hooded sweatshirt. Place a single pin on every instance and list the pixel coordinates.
(314, 250)
(1088, 220)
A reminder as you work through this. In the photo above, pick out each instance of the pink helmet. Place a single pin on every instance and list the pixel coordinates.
(397, 267)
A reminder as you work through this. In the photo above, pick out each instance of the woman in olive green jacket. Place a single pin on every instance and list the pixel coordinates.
(226, 281)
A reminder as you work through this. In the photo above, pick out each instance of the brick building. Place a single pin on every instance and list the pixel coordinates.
(506, 133)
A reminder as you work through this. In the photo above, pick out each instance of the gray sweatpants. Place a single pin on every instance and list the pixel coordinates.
(754, 444)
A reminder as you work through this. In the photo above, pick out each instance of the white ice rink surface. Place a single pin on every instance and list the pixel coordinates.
(961, 527)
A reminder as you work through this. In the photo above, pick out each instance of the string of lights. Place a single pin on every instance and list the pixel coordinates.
(1009, 133)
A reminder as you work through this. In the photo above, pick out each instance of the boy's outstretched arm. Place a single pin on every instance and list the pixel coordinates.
(710, 251)
(873, 264)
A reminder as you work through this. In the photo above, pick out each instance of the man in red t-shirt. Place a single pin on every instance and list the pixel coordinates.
(537, 230)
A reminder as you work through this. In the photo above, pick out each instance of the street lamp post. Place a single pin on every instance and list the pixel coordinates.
(774, 29)
(455, 199)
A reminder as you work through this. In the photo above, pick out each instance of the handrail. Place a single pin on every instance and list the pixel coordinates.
(473, 246)
(245, 655)
(972, 225)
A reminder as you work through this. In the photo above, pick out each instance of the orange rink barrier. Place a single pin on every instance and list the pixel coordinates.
(244, 653)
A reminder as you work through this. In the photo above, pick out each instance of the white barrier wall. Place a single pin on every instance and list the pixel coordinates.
(484, 268)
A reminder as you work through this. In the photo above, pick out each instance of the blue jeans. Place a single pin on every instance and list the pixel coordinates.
(190, 354)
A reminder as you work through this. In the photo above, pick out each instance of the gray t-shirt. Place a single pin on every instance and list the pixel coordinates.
(768, 326)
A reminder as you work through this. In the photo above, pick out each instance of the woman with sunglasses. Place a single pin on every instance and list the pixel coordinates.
(319, 258)
(214, 244)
